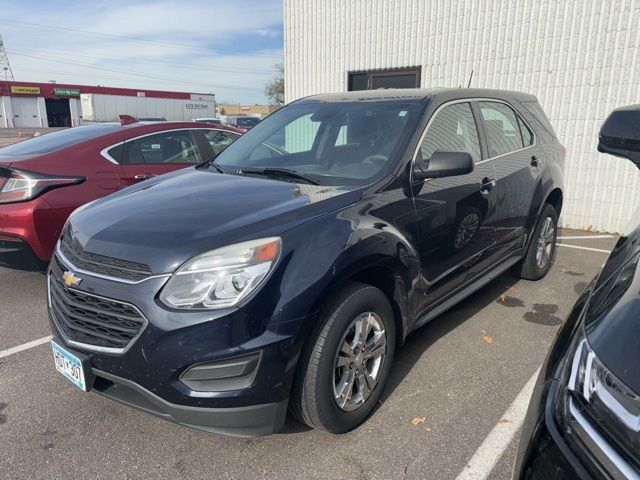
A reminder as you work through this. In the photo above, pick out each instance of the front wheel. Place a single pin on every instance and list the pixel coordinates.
(542, 248)
(346, 361)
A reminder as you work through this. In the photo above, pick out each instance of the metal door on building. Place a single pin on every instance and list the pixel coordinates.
(385, 78)
(25, 112)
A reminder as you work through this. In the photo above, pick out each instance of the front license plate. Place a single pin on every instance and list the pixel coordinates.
(69, 365)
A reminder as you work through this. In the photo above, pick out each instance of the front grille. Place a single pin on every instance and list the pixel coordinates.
(108, 266)
(93, 320)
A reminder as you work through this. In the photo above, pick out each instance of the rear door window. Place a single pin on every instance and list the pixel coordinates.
(527, 136)
(220, 139)
(174, 147)
(501, 127)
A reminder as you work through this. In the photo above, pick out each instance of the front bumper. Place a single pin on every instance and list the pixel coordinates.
(544, 454)
(248, 421)
(146, 375)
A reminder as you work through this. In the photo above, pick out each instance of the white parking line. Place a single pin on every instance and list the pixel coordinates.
(582, 237)
(583, 248)
(488, 454)
(24, 346)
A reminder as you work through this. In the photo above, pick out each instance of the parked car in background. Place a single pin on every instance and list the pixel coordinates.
(212, 121)
(42, 180)
(152, 119)
(221, 295)
(584, 416)
(243, 123)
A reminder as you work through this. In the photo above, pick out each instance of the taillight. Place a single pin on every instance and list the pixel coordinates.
(563, 149)
(21, 185)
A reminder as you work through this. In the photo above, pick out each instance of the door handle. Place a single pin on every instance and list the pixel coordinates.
(143, 176)
(487, 184)
(534, 161)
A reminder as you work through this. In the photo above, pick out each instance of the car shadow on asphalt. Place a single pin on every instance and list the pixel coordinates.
(420, 340)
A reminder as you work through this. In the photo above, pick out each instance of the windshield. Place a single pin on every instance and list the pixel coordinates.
(344, 143)
(57, 140)
(247, 121)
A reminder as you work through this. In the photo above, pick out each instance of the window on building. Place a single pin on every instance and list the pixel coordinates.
(501, 127)
(387, 78)
(452, 130)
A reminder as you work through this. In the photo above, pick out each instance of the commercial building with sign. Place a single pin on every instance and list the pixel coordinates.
(41, 105)
(581, 59)
(253, 110)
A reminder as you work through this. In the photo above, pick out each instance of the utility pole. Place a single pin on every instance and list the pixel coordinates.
(5, 67)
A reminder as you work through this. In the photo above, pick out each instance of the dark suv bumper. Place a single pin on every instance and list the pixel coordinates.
(543, 452)
(248, 421)
(150, 373)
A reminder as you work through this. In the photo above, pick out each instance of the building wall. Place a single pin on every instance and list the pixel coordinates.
(236, 109)
(581, 58)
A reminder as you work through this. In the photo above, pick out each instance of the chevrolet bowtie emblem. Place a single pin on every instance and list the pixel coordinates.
(70, 280)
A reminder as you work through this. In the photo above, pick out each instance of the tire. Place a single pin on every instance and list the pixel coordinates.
(530, 268)
(319, 378)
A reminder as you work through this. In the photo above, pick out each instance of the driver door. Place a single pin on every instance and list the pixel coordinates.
(158, 153)
(456, 214)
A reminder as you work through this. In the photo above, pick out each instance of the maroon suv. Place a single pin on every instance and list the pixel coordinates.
(44, 179)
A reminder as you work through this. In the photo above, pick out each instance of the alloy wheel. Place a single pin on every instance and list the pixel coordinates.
(545, 243)
(359, 361)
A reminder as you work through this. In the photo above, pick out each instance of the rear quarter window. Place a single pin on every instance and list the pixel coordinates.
(535, 109)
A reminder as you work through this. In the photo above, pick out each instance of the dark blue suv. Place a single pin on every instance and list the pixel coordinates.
(283, 274)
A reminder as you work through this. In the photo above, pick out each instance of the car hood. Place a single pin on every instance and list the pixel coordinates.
(611, 318)
(167, 220)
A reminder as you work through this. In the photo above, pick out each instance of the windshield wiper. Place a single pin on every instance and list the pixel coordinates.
(210, 162)
(277, 172)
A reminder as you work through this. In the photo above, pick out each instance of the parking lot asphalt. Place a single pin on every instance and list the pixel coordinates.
(460, 373)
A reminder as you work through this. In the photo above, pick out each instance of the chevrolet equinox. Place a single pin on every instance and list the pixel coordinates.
(283, 274)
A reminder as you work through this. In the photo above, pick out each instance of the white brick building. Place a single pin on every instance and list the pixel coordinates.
(581, 58)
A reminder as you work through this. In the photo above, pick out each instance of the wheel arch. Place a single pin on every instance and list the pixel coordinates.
(388, 275)
(555, 199)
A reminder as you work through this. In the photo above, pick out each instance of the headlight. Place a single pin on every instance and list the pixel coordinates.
(598, 413)
(593, 385)
(221, 278)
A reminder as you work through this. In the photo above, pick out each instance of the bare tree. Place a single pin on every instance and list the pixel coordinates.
(274, 89)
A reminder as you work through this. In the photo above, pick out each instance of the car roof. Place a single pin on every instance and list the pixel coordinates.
(163, 126)
(417, 95)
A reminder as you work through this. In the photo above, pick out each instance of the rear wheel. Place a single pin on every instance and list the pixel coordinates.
(542, 247)
(346, 361)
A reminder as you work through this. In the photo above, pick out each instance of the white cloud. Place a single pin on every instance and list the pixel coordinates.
(189, 46)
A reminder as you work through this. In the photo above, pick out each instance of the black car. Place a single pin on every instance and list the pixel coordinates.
(584, 416)
(284, 277)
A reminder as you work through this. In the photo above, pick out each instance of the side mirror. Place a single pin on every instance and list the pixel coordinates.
(444, 164)
(620, 134)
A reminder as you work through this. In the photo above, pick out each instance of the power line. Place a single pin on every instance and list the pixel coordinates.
(37, 50)
(127, 72)
(5, 66)
(16, 23)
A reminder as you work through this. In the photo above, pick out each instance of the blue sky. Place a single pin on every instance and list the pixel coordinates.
(226, 47)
